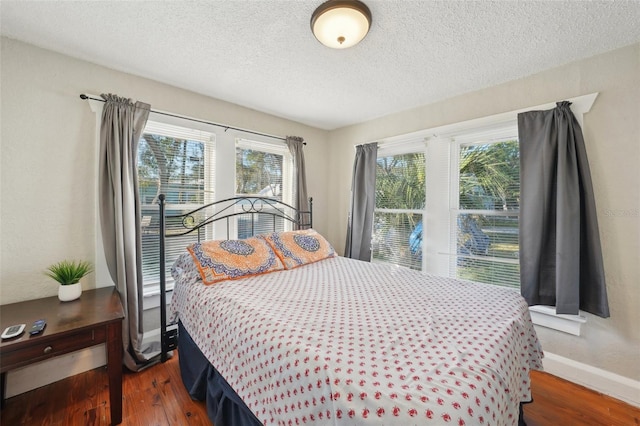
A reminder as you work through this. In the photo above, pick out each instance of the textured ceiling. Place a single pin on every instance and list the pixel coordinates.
(262, 55)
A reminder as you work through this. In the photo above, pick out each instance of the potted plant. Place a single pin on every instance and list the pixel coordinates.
(68, 274)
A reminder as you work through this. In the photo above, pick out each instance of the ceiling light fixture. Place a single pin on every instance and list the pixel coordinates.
(341, 23)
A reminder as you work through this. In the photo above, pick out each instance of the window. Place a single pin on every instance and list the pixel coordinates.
(451, 206)
(400, 203)
(485, 224)
(262, 170)
(178, 162)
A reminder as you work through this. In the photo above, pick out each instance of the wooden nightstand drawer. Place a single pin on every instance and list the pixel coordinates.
(47, 348)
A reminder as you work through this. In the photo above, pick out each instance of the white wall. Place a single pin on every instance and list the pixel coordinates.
(612, 134)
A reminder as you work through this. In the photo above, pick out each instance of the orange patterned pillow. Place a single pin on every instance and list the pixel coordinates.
(232, 259)
(297, 248)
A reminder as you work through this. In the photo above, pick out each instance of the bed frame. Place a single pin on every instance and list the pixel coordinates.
(219, 211)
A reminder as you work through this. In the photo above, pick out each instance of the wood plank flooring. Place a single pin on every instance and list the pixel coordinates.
(153, 397)
(559, 402)
(156, 397)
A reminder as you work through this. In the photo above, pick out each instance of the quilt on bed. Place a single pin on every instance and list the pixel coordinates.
(344, 341)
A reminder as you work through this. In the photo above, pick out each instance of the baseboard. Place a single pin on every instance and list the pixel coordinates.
(46, 372)
(606, 382)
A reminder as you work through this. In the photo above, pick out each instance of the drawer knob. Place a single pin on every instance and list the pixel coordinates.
(48, 349)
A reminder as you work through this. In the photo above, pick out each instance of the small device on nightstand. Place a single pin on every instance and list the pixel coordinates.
(37, 327)
(13, 331)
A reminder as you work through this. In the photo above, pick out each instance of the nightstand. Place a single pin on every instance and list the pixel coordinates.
(93, 319)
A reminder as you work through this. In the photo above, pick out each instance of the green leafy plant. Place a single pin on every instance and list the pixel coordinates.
(69, 272)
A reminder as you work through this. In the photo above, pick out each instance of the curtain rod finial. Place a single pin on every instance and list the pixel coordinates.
(83, 96)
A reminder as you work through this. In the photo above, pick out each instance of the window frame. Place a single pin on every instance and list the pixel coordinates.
(208, 138)
(287, 189)
(506, 132)
(439, 215)
(403, 146)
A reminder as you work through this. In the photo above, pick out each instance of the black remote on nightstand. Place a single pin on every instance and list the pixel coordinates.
(37, 327)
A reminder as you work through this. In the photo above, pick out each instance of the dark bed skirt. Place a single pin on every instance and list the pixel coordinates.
(204, 383)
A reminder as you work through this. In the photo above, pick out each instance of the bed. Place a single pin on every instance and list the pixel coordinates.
(331, 340)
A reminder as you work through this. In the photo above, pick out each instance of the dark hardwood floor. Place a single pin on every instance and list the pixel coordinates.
(153, 397)
(559, 402)
(156, 396)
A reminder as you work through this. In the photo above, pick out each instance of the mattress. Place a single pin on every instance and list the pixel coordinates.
(342, 341)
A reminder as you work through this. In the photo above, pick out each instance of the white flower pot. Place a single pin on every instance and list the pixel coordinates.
(67, 293)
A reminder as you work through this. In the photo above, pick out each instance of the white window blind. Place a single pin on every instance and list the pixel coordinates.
(178, 162)
(400, 202)
(262, 170)
(484, 225)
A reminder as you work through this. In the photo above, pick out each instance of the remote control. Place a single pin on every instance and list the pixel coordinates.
(38, 326)
(13, 331)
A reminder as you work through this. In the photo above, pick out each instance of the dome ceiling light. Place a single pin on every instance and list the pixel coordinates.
(341, 23)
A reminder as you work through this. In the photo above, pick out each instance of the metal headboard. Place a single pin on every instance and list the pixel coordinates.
(227, 210)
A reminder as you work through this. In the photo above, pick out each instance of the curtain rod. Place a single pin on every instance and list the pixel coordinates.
(84, 97)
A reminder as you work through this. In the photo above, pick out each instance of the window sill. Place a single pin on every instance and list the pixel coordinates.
(545, 316)
(151, 299)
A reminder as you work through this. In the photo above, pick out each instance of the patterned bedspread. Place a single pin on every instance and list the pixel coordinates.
(347, 342)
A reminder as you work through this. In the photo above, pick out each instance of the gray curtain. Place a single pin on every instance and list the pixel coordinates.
(363, 201)
(296, 145)
(121, 128)
(560, 255)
